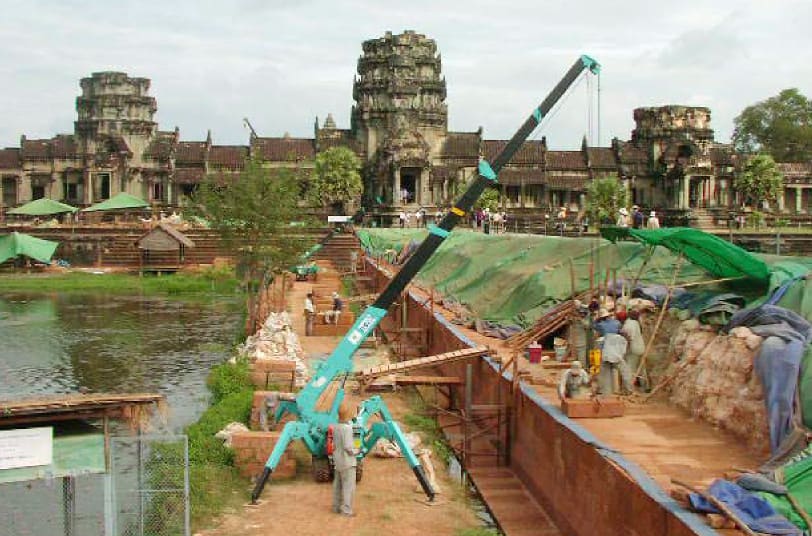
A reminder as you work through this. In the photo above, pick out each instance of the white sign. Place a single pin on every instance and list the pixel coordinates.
(26, 447)
(338, 219)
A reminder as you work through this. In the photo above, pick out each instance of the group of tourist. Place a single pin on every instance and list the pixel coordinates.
(619, 339)
(489, 222)
(419, 217)
(637, 219)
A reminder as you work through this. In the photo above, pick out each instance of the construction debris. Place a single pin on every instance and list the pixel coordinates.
(276, 340)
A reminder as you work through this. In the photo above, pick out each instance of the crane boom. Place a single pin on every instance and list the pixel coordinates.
(311, 424)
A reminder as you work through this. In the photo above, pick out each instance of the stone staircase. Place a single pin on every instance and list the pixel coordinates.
(339, 249)
(702, 219)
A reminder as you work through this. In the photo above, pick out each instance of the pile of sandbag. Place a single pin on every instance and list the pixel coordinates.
(715, 380)
(230, 429)
(386, 448)
(276, 340)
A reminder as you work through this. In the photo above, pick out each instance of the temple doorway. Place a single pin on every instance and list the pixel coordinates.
(409, 184)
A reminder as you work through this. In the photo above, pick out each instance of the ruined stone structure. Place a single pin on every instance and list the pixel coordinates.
(399, 129)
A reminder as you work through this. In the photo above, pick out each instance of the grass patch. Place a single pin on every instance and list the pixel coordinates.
(477, 531)
(419, 420)
(215, 484)
(208, 281)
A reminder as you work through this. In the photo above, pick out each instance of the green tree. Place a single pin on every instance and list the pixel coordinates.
(336, 178)
(604, 198)
(759, 181)
(489, 199)
(780, 126)
(252, 213)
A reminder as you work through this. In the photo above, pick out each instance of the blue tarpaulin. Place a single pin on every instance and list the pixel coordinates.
(756, 512)
(786, 335)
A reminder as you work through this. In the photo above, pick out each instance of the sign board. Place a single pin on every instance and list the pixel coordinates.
(338, 219)
(26, 447)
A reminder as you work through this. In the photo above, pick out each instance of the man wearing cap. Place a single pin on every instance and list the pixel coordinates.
(623, 218)
(638, 218)
(573, 382)
(338, 305)
(613, 351)
(653, 221)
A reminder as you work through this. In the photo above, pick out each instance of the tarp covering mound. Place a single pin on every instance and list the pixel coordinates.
(512, 279)
(42, 207)
(15, 244)
(716, 255)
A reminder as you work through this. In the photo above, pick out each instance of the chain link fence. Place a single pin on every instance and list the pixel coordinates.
(151, 485)
(146, 493)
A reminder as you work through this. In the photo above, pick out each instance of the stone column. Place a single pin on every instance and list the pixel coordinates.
(87, 180)
(685, 203)
(396, 191)
(799, 194)
(712, 191)
(781, 199)
(581, 201)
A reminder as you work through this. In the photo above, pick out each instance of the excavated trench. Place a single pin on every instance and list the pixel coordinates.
(557, 478)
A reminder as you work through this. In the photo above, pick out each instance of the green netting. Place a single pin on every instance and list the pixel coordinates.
(716, 255)
(14, 244)
(513, 279)
(797, 476)
(42, 207)
(121, 201)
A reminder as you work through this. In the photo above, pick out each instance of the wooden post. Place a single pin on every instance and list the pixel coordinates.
(591, 280)
(469, 394)
(572, 278)
(659, 319)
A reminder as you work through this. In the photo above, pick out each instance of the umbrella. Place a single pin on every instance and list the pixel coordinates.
(121, 201)
(42, 207)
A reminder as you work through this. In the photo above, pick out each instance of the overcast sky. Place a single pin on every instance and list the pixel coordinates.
(281, 64)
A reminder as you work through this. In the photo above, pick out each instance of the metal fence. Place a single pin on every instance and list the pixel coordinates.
(151, 486)
(145, 493)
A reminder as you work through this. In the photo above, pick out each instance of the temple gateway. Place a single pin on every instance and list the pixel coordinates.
(399, 129)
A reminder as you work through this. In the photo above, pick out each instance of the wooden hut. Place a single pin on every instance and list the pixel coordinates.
(158, 247)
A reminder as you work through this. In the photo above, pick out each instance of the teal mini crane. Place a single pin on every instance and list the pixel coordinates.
(311, 425)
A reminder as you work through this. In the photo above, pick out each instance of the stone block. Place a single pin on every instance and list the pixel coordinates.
(251, 451)
(603, 407)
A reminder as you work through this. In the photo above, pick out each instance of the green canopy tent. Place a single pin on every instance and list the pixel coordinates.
(42, 207)
(16, 244)
(121, 201)
(716, 255)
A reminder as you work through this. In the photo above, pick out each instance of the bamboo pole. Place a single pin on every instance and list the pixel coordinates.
(722, 507)
(660, 317)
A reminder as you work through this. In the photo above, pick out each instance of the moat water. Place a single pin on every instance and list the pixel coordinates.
(62, 342)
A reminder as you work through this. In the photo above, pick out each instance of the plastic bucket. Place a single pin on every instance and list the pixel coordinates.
(561, 352)
(534, 354)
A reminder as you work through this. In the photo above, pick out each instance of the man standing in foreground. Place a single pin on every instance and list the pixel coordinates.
(344, 461)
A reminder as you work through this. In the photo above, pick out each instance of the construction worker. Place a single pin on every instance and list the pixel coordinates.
(331, 317)
(637, 345)
(310, 314)
(345, 461)
(574, 382)
(613, 347)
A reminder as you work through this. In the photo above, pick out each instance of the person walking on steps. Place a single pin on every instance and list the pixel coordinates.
(345, 461)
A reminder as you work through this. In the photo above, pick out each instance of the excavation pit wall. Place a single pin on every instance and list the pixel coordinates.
(584, 485)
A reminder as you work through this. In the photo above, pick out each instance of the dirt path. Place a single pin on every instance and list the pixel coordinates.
(387, 500)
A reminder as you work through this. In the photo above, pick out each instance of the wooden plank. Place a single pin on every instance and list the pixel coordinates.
(428, 380)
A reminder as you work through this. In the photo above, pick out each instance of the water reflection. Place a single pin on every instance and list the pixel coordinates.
(59, 343)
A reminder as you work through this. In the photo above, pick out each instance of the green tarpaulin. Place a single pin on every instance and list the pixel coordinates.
(719, 257)
(122, 201)
(42, 207)
(15, 244)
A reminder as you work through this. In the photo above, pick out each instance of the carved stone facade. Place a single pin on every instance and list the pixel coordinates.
(399, 129)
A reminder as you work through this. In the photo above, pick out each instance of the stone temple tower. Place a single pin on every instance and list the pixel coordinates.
(114, 106)
(400, 114)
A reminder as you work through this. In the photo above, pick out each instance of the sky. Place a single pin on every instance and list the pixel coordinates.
(284, 63)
